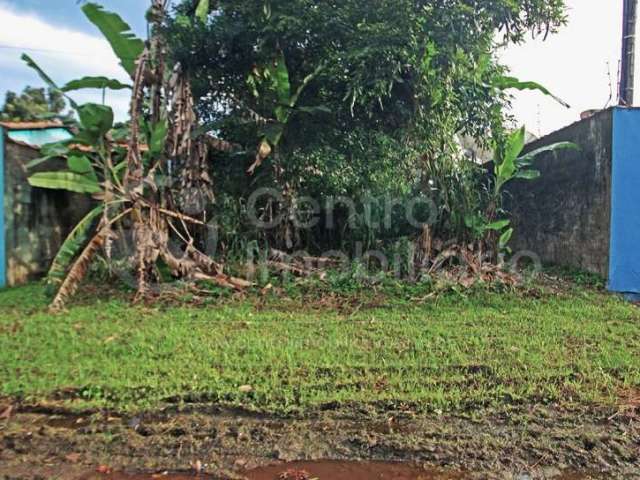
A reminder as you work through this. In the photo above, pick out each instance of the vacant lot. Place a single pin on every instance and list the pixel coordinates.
(481, 381)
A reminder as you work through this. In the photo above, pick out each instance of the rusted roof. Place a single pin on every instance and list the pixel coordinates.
(31, 125)
(85, 148)
(76, 146)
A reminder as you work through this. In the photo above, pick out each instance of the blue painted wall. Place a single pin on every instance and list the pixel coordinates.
(624, 257)
(3, 233)
(40, 137)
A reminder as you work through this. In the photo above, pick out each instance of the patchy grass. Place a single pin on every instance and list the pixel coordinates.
(445, 353)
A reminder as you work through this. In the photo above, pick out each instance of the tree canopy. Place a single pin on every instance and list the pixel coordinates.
(33, 104)
(388, 85)
(385, 63)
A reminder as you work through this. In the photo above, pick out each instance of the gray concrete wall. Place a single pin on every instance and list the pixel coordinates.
(36, 220)
(564, 217)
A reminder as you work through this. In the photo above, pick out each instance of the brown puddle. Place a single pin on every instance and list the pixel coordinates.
(334, 470)
(144, 476)
(320, 470)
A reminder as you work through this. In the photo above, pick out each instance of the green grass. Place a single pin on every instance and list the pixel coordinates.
(450, 353)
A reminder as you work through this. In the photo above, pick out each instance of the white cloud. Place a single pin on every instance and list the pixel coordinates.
(63, 53)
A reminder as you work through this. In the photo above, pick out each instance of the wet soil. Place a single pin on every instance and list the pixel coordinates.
(521, 443)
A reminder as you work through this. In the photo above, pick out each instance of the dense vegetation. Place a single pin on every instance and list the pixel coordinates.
(309, 126)
(387, 90)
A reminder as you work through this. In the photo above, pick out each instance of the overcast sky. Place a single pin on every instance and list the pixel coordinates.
(574, 63)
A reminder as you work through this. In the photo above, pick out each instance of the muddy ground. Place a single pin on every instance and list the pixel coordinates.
(523, 443)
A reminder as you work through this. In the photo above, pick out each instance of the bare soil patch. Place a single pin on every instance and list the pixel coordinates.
(521, 443)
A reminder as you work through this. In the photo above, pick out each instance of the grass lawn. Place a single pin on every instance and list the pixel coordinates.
(447, 353)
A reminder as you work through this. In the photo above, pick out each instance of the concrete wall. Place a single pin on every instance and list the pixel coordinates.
(564, 217)
(36, 220)
(3, 249)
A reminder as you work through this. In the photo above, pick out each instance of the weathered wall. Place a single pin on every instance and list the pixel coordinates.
(564, 217)
(36, 220)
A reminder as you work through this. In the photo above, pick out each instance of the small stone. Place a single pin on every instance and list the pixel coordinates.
(523, 476)
(551, 472)
(134, 423)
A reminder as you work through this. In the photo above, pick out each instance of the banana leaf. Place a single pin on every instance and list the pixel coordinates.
(124, 43)
(72, 245)
(69, 181)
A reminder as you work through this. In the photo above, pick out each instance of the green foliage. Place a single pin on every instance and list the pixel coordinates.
(96, 168)
(202, 11)
(97, 164)
(157, 138)
(505, 160)
(394, 71)
(94, 82)
(82, 165)
(45, 78)
(70, 181)
(33, 104)
(527, 159)
(506, 82)
(95, 120)
(510, 165)
(271, 86)
(117, 32)
(71, 247)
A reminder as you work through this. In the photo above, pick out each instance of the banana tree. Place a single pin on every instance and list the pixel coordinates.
(126, 179)
(509, 164)
(94, 167)
(504, 82)
(272, 83)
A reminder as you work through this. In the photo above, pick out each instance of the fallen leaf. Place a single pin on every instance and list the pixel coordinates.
(104, 469)
(240, 463)
(293, 474)
(6, 413)
(264, 150)
(73, 457)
